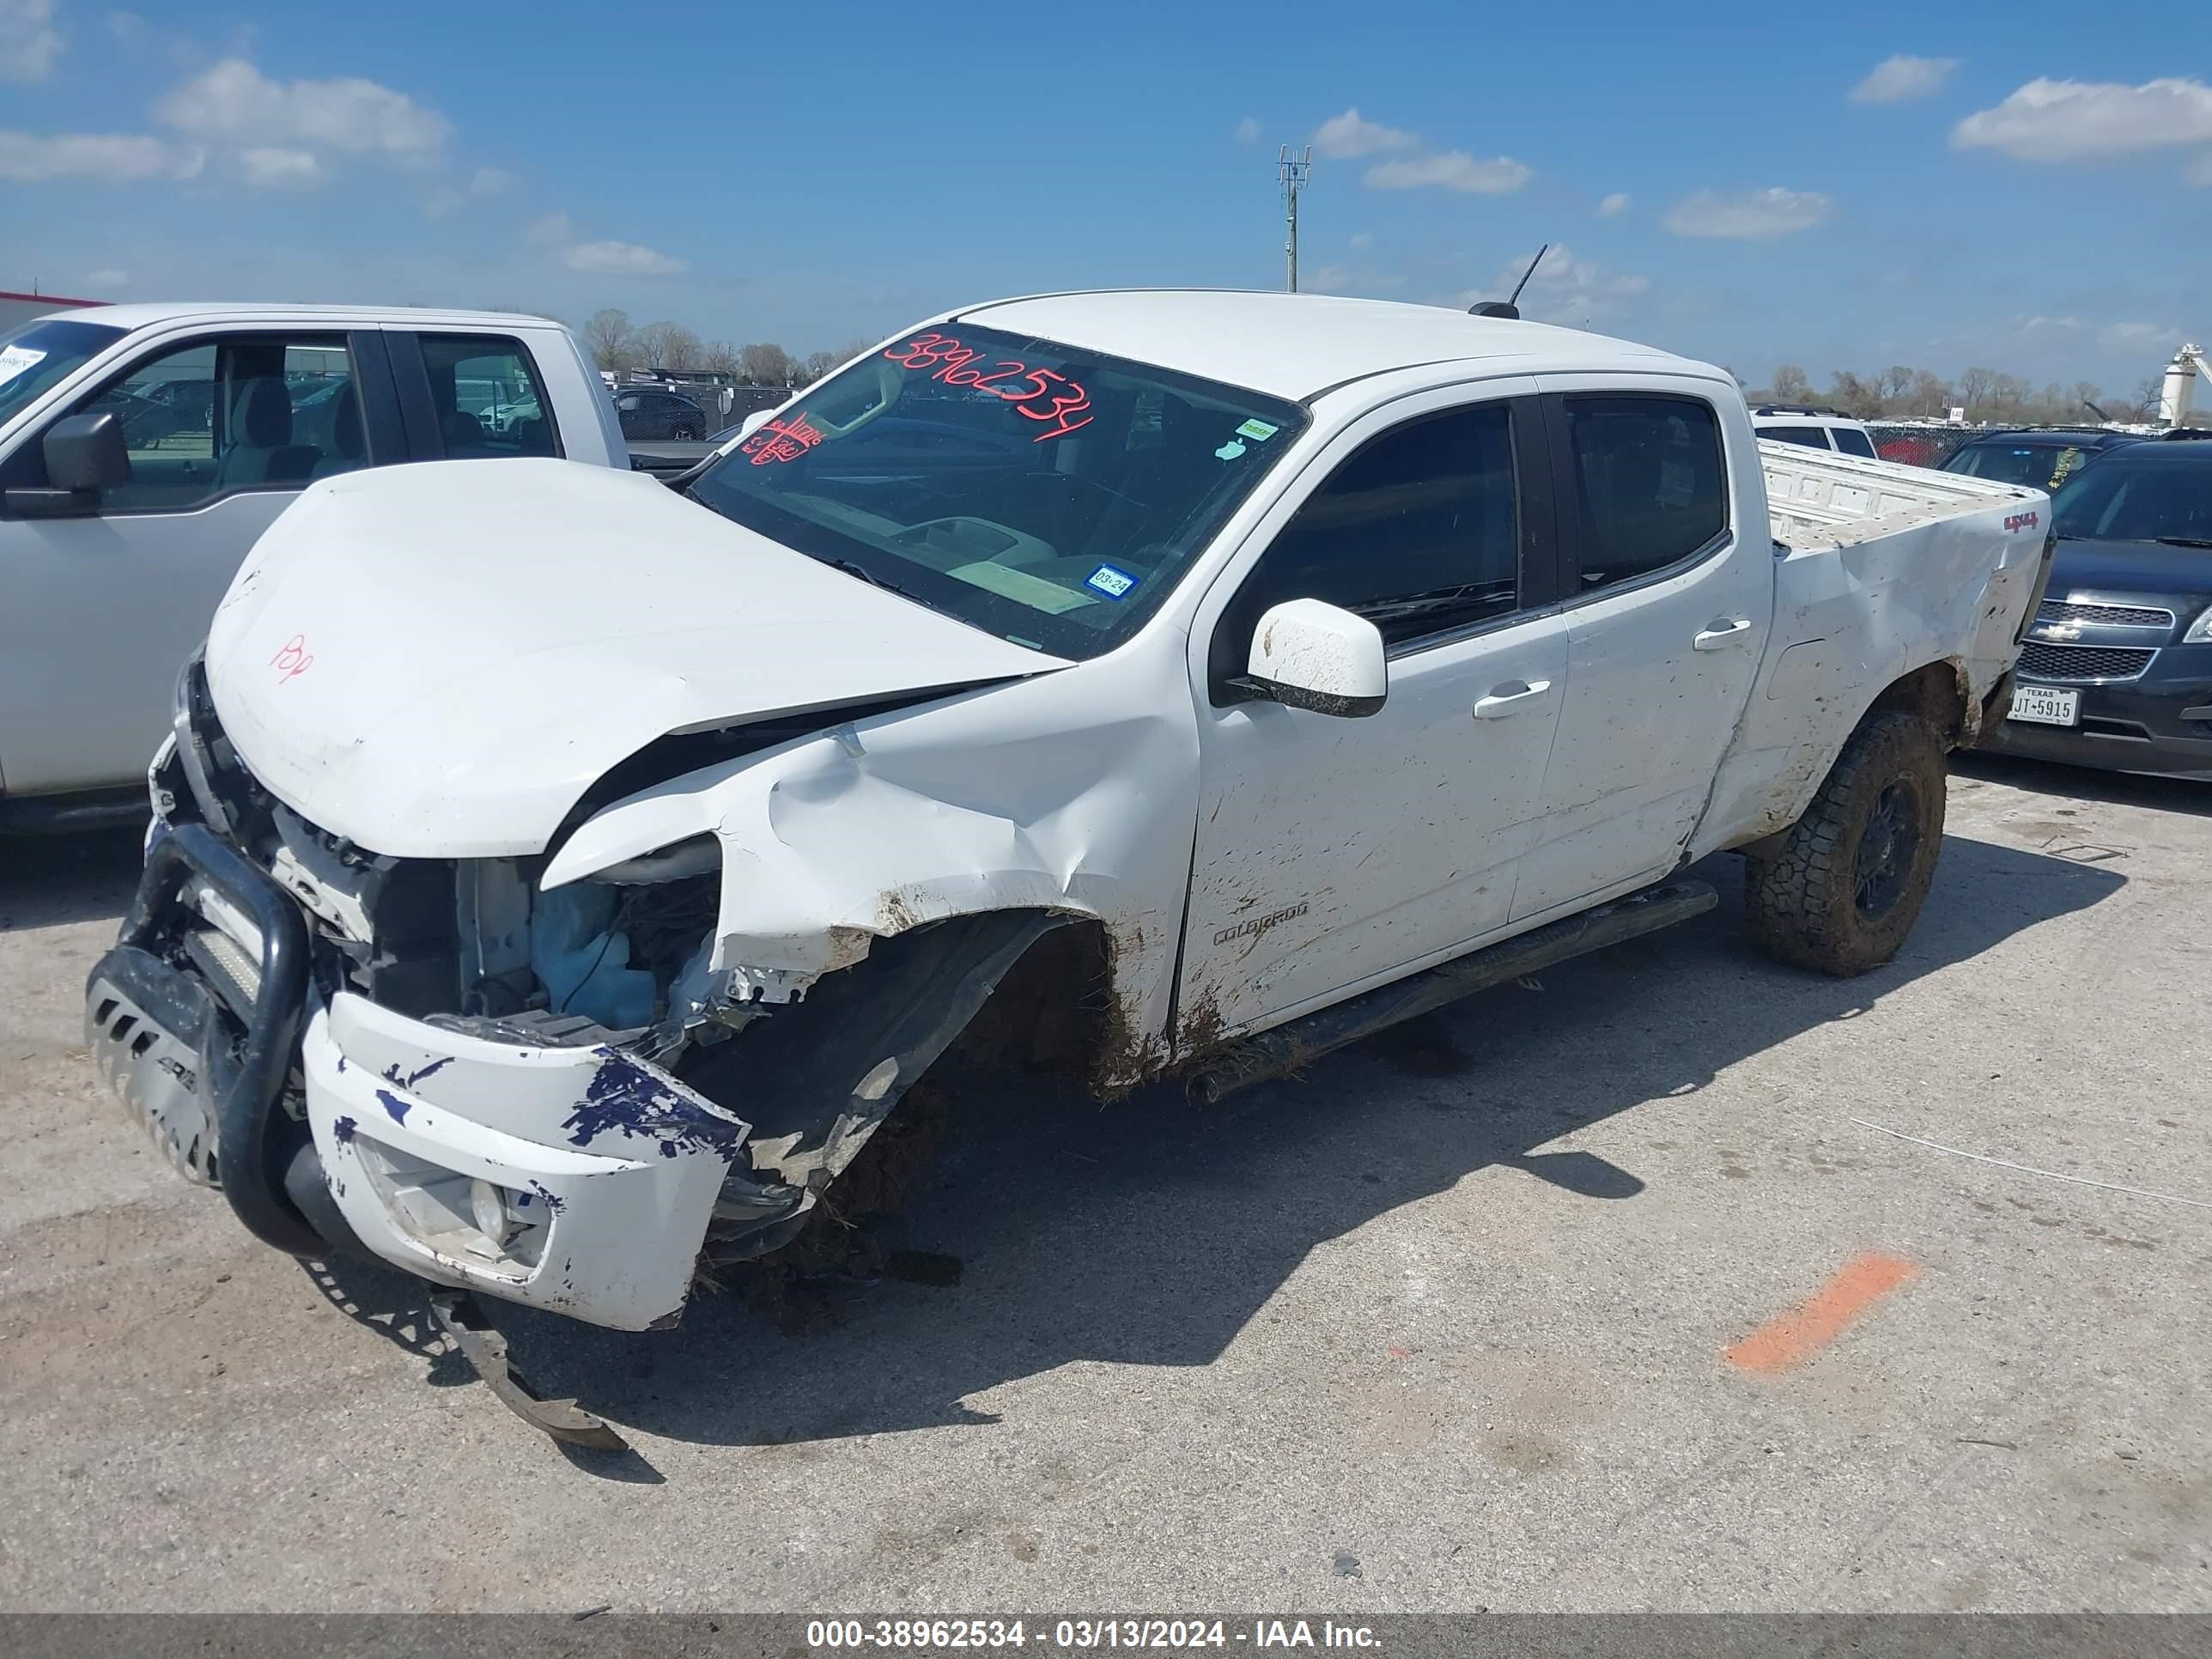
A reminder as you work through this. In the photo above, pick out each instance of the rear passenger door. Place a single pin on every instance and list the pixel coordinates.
(224, 427)
(1669, 595)
(473, 397)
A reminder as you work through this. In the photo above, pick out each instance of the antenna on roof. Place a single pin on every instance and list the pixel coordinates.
(1509, 307)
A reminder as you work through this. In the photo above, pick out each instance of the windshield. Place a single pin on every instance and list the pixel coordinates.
(2032, 466)
(1049, 496)
(2139, 496)
(35, 355)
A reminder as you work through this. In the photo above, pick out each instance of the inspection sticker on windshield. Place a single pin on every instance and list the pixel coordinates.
(14, 359)
(1259, 431)
(1113, 584)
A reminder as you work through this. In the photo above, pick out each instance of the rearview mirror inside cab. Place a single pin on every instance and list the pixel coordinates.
(1314, 655)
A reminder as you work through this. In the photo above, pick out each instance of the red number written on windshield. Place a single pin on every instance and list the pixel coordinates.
(1038, 394)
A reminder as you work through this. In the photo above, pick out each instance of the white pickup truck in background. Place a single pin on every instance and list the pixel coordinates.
(144, 448)
(561, 876)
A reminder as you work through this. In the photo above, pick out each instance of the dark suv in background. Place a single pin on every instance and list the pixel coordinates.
(2039, 458)
(648, 412)
(2117, 670)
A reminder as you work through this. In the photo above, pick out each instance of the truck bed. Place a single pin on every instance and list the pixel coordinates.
(1815, 499)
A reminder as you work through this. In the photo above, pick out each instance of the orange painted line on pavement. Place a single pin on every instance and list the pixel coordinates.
(1798, 1335)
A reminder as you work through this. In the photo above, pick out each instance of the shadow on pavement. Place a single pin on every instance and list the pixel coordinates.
(2086, 783)
(49, 881)
(1150, 1233)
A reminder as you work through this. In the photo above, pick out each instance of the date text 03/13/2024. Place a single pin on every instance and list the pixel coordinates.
(831, 1635)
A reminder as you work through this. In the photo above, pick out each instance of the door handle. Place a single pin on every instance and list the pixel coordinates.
(1510, 698)
(1723, 630)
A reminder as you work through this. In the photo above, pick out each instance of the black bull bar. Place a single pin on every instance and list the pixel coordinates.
(205, 1060)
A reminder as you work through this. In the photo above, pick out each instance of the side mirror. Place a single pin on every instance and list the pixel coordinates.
(87, 452)
(1314, 655)
(84, 454)
(753, 422)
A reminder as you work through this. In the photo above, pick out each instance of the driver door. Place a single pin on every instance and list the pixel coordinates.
(1334, 852)
(101, 608)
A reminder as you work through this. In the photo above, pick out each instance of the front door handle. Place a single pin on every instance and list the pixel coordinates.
(1510, 698)
(1723, 630)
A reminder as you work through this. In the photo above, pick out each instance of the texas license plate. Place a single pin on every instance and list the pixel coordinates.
(2045, 705)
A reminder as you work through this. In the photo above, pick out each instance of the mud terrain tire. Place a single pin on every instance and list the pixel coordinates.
(1845, 888)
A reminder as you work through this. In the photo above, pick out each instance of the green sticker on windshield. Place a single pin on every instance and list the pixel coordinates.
(1257, 430)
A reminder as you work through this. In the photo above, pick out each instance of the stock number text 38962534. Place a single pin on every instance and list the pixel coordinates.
(1038, 394)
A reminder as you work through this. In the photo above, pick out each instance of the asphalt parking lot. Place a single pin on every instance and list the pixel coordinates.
(1481, 1315)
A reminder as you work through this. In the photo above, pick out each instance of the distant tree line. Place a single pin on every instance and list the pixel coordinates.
(619, 345)
(1900, 393)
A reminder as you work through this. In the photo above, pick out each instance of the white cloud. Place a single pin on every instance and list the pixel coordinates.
(2129, 336)
(620, 259)
(1616, 203)
(1361, 238)
(269, 167)
(1346, 136)
(1248, 131)
(551, 230)
(2087, 121)
(1452, 170)
(490, 182)
(235, 102)
(28, 43)
(1566, 288)
(1895, 79)
(108, 276)
(112, 158)
(1352, 279)
(1750, 215)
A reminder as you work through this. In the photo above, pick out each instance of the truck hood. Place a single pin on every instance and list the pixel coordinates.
(437, 661)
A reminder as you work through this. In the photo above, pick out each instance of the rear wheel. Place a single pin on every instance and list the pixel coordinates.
(1845, 888)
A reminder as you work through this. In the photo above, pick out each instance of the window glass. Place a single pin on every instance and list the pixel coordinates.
(2146, 493)
(1419, 533)
(1042, 492)
(1812, 437)
(1852, 442)
(37, 355)
(489, 399)
(1649, 483)
(2031, 465)
(234, 413)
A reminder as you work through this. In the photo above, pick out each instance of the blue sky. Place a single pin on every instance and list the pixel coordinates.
(2022, 187)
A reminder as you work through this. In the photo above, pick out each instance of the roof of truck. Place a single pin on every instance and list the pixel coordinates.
(142, 314)
(1295, 345)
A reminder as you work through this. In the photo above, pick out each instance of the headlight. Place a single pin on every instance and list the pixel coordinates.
(2200, 631)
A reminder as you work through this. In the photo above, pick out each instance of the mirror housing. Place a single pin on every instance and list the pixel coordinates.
(753, 422)
(1313, 655)
(87, 452)
(84, 454)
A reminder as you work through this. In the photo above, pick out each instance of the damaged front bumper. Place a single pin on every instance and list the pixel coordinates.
(582, 1180)
(578, 1180)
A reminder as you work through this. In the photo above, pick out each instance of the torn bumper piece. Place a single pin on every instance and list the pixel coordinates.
(580, 1180)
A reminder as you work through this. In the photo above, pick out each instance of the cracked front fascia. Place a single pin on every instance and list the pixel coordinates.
(1023, 796)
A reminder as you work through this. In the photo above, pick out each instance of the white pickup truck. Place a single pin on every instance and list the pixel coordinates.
(144, 448)
(559, 877)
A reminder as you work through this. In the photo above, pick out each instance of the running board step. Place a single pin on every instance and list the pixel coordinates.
(1288, 1046)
